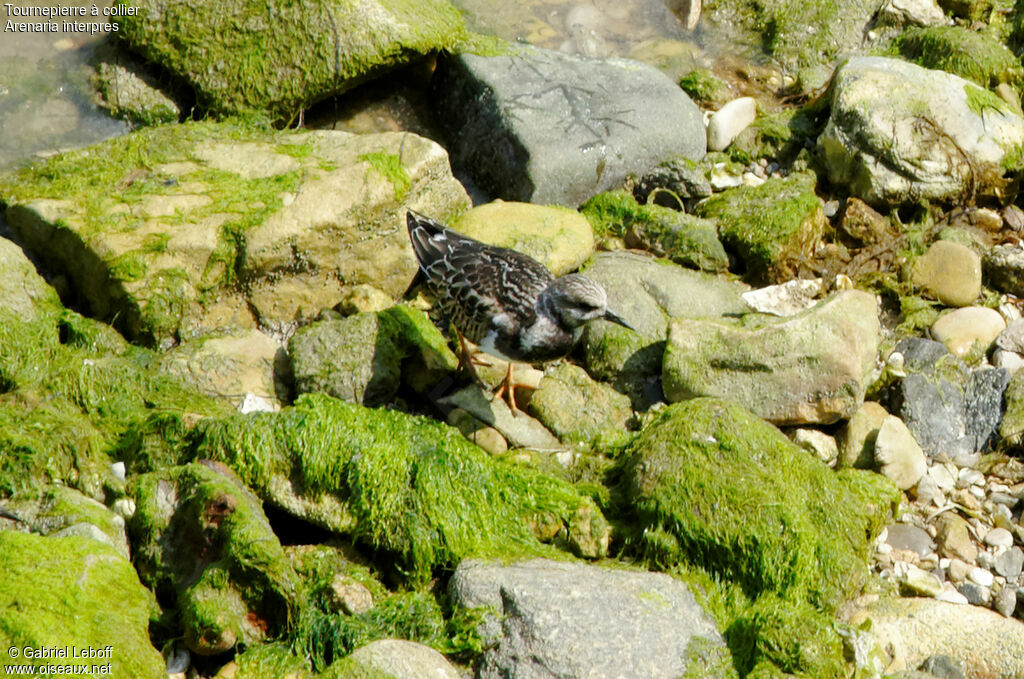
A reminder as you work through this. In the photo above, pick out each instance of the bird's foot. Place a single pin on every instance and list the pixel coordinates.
(507, 388)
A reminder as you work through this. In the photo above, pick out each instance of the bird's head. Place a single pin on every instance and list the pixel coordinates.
(574, 299)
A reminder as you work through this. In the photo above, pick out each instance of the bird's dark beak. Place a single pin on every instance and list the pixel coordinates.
(615, 318)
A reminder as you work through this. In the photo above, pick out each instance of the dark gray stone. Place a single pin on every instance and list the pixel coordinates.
(921, 355)
(1006, 601)
(1010, 563)
(934, 414)
(571, 620)
(1012, 338)
(984, 406)
(976, 594)
(548, 127)
(674, 180)
(908, 536)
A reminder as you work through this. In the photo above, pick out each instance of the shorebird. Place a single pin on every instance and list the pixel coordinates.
(505, 302)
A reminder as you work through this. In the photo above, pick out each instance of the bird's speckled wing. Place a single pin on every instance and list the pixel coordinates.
(480, 287)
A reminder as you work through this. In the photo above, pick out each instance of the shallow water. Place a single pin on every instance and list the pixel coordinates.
(45, 97)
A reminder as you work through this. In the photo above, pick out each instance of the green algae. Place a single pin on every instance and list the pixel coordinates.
(716, 487)
(961, 51)
(73, 391)
(412, 487)
(390, 167)
(773, 540)
(705, 88)
(772, 226)
(239, 56)
(680, 237)
(270, 660)
(213, 556)
(73, 591)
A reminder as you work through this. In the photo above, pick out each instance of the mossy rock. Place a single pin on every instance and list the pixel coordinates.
(963, 52)
(275, 659)
(557, 237)
(408, 486)
(202, 542)
(776, 637)
(23, 292)
(772, 227)
(73, 591)
(578, 409)
(677, 236)
(716, 487)
(155, 230)
(705, 88)
(62, 511)
(241, 55)
(363, 358)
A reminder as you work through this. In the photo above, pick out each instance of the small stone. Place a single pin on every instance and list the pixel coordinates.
(955, 538)
(999, 538)
(1005, 602)
(897, 454)
(349, 595)
(1010, 563)
(942, 476)
(905, 536)
(118, 470)
(969, 477)
(914, 580)
(927, 490)
(1012, 338)
(951, 272)
(857, 439)
(975, 594)
(862, 223)
(958, 570)
(817, 442)
(945, 667)
(1010, 360)
(950, 595)
(124, 507)
(726, 123)
(981, 577)
(960, 330)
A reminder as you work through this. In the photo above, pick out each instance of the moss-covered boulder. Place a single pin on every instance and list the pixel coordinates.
(203, 543)
(773, 227)
(407, 486)
(647, 292)
(23, 292)
(275, 659)
(813, 367)
(61, 512)
(963, 52)
(363, 358)
(241, 55)
(682, 238)
(75, 592)
(157, 231)
(557, 237)
(717, 489)
(578, 409)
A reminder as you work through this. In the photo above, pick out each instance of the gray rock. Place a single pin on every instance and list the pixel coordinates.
(910, 537)
(674, 180)
(976, 594)
(546, 127)
(1006, 601)
(1003, 266)
(945, 667)
(521, 431)
(1010, 563)
(570, 620)
(875, 144)
(400, 659)
(1012, 338)
(906, 12)
(809, 368)
(647, 292)
(949, 409)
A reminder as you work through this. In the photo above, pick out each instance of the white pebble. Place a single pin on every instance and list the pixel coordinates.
(1000, 538)
(725, 124)
(118, 470)
(980, 576)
